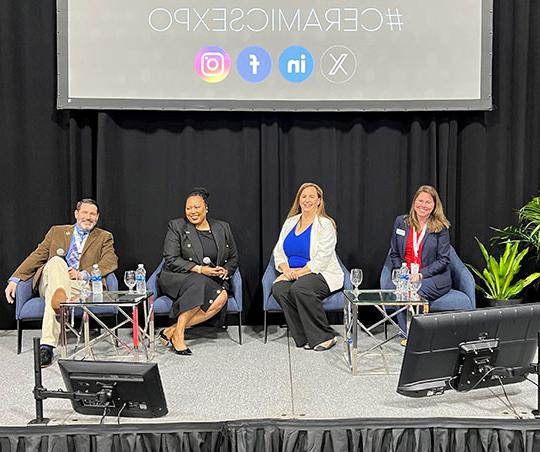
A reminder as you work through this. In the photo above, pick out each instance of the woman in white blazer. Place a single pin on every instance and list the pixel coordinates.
(305, 256)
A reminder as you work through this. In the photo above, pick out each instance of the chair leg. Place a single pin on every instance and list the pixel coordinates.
(240, 328)
(19, 337)
(265, 328)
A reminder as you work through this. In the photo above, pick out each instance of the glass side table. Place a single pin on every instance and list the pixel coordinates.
(380, 299)
(128, 305)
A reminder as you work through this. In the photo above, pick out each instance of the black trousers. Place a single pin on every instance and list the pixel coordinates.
(301, 301)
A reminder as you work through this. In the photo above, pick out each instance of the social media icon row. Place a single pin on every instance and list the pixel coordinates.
(254, 64)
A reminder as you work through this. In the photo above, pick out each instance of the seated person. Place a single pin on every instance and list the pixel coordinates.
(305, 255)
(60, 261)
(200, 256)
(421, 239)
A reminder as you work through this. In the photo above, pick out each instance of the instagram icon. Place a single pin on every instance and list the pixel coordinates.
(212, 64)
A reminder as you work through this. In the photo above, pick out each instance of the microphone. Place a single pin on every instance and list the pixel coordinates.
(207, 261)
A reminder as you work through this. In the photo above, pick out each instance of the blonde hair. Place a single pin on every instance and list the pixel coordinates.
(437, 221)
(295, 208)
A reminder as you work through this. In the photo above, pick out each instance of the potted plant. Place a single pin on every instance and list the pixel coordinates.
(527, 232)
(498, 276)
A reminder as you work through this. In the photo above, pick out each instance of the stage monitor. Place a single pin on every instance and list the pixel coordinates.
(469, 349)
(122, 388)
(275, 55)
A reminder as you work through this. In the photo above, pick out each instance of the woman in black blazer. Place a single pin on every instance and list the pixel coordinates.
(200, 256)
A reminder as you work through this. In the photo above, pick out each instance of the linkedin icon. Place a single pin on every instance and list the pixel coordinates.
(295, 64)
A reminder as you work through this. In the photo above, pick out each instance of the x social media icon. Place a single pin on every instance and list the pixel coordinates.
(254, 64)
(338, 64)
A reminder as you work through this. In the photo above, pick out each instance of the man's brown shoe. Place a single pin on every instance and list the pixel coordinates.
(59, 296)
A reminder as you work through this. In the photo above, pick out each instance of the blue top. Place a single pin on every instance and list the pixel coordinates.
(78, 239)
(296, 247)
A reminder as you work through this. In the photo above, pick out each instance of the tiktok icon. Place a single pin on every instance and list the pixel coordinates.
(254, 64)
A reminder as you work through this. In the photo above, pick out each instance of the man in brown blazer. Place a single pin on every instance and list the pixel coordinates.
(61, 263)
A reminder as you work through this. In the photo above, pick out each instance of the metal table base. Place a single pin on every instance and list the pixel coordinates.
(142, 338)
(380, 299)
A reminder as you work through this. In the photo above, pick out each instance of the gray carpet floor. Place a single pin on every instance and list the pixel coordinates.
(223, 380)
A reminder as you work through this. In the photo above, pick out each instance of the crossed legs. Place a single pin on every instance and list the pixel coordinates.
(54, 286)
(193, 317)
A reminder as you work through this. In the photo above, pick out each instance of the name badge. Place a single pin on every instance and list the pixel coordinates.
(400, 232)
(415, 268)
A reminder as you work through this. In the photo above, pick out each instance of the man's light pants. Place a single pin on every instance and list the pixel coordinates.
(55, 276)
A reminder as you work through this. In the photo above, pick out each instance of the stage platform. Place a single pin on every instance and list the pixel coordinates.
(258, 395)
(223, 380)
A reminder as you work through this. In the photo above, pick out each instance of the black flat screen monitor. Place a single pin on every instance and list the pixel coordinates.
(466, 350)
(125, 388)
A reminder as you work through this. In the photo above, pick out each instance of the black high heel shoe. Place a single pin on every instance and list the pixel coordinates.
(165, 341)
(186, 352)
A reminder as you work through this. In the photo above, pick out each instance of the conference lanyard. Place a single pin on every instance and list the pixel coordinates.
(417, 240)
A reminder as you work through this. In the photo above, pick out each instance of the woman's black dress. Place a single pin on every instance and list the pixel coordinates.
(185, 247)
(199, 290)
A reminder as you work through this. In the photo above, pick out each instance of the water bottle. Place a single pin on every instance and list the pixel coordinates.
(97, 285)
(140, 277)
(404, 280)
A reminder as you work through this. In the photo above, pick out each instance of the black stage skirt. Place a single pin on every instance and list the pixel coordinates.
(197, 290)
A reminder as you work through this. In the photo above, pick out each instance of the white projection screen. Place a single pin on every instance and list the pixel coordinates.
(283, 55)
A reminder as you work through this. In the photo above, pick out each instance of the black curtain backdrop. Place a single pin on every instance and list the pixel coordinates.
(140, 164)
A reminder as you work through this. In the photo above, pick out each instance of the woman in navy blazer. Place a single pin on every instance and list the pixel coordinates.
(421, 239)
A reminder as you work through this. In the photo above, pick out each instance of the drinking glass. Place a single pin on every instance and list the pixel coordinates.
(415, 287)
(129, 279)
(396, 274)
(84, 288)
(356, 277)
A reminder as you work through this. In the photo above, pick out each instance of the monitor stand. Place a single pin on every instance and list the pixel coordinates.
(475, 363)
(104, 396)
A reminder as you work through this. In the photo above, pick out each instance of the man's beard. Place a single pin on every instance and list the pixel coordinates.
(89, 229)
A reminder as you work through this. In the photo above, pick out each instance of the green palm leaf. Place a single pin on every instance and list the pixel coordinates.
(496, 279)
(528, 230)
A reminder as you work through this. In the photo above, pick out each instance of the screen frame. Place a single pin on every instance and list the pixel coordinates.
(144, 375)
(64, 101)
(432, 357)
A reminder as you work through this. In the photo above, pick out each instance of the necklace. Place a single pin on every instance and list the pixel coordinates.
(203, 227)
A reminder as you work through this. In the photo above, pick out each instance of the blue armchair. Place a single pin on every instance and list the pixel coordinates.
(30, 307)
(334, 302)
(461, 295)
(162, 303)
